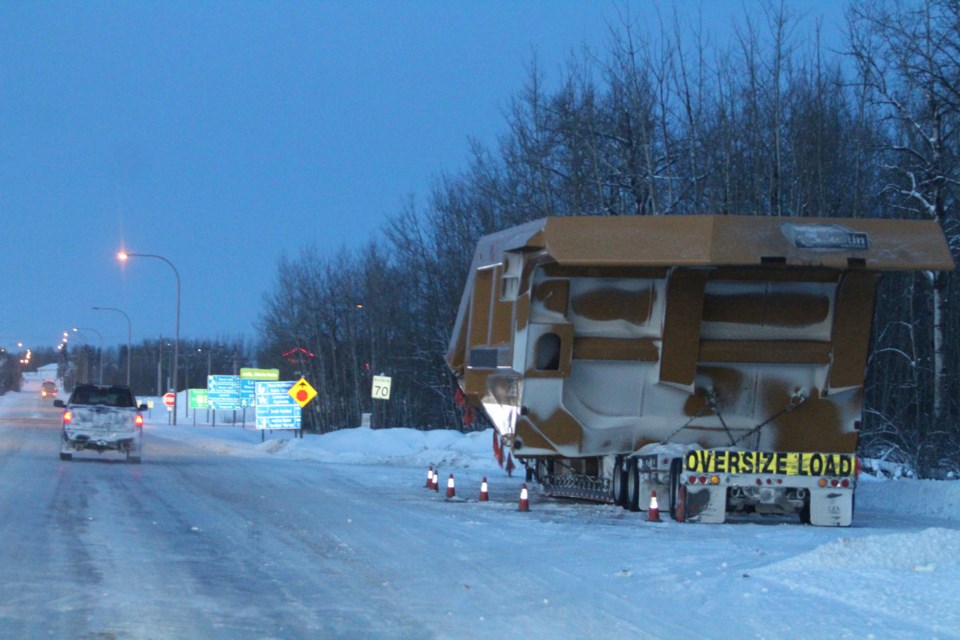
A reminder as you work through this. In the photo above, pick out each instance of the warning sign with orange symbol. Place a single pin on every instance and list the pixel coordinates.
(302, 392)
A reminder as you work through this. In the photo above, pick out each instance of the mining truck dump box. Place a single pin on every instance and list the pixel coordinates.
(586, 339)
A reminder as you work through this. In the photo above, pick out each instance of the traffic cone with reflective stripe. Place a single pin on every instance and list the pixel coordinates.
(653, 513)
(451, 492)
(484, 494)
(429, 484)
(524, 499)
(435, 482)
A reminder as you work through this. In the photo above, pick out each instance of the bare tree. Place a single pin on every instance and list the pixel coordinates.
(907, 57)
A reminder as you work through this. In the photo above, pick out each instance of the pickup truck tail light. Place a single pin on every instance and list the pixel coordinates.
(138, 420)
(67, 417)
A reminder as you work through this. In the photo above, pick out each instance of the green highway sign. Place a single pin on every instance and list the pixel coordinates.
(198, 398)
(259, 374)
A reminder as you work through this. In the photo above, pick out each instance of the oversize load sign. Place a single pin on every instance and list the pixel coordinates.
(790, 464)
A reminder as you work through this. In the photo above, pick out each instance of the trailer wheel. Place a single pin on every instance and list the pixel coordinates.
(633, 485)
(619, 483)
(805, 511)
(544, 469)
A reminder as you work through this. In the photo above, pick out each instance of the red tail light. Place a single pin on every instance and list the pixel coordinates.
(138, 420)
(67, 417)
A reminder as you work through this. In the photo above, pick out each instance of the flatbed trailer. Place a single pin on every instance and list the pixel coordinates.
(716, 360)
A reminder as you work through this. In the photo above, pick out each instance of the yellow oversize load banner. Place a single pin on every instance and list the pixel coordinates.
(782, 463)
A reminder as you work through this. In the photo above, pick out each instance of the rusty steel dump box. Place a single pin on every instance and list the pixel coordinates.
(585, 338)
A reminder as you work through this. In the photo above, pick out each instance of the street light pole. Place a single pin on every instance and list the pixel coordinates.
(100, 337)
(84, 356)
(122, 256)
(129, 334)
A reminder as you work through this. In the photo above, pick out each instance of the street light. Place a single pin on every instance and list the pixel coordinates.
(129, 334)
(75, 329)
(123, 256)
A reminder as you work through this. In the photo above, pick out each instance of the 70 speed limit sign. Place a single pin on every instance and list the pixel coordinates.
(381, 388)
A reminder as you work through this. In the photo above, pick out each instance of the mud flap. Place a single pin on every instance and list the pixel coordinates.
(831, 508)
(705, 504)
(65, 445)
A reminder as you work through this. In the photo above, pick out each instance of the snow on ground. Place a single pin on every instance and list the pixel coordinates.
(872, 571)
(895, 573)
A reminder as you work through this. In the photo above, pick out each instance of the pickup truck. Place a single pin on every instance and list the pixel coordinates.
(101, 418)
(48, 389)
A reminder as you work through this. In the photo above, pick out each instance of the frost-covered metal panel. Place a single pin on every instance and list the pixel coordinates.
(767, 310)
(617, 307)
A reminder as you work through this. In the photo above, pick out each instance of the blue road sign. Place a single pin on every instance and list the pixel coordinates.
(276, 409)
(223, 392)
(248, 392)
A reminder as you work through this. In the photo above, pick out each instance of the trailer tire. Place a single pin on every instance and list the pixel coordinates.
(805, 512)
(619, 483)
(544, 469)
(633, 485)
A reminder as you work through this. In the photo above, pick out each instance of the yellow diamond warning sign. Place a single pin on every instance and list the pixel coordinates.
(302, 392)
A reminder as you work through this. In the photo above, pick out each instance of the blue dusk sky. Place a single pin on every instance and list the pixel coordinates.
(222, 135)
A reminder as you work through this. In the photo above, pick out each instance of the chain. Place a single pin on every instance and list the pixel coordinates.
(796, 400)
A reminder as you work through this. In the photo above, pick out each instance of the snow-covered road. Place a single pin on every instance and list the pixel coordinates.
(216, 535)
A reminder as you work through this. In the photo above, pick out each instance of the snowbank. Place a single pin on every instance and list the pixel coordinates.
(921, 498)
(452, 449)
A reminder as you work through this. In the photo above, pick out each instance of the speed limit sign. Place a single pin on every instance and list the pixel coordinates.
(381, 388)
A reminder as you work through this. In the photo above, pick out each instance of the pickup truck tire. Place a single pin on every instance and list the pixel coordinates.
(66, 456)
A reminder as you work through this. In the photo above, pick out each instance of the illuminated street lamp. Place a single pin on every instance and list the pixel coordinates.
(123, 256)
(100, 337)
(129, 334)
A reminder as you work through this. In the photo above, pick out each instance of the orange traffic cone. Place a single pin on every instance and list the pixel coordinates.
(524, 499)
(451, 492)
(429, 484)
(435, 482)
(653, 513)
(484, 495)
